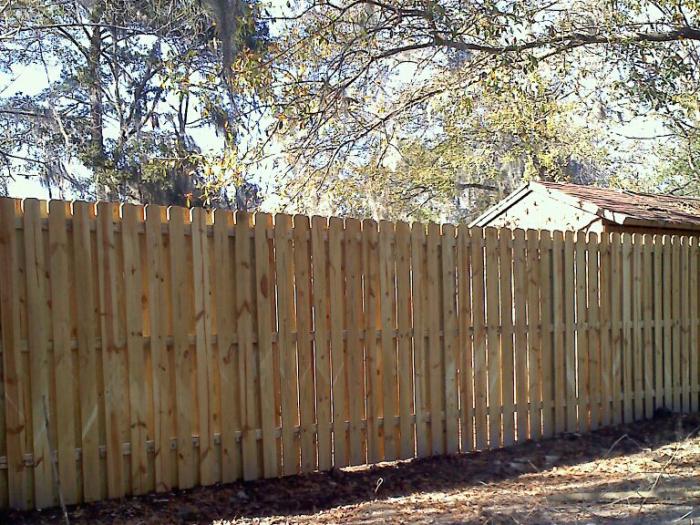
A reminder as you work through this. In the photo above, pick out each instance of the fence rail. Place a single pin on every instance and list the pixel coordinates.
(147, 349)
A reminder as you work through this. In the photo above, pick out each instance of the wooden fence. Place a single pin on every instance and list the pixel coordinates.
(151, 349)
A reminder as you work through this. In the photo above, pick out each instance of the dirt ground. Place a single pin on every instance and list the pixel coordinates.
(643, 473)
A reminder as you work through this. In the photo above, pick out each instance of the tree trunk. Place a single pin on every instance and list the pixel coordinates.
(97, 148)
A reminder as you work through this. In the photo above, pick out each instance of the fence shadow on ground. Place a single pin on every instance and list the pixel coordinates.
(320, 491)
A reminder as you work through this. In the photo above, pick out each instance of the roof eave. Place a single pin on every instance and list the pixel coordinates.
(497, 209)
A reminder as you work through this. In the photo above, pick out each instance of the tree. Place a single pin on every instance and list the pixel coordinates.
(358, 75)
(129, 82)
(475, 147)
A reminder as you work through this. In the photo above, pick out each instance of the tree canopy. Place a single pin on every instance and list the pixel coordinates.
(419, 109)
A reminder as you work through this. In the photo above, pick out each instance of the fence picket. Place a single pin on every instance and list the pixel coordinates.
(284, 266)
(520, 348)
(405, 337)
(559, 350)
(387, 285)
(582, 340)
(265, 307)
(373, 358)
(182, 308)
(676, 365)
(465, 363)
(569, 333)
(15, 430)
(450, 339)
(648, 315)
(595, 370)
(339, 358)
(163, 359)
(247, 355)
(322, 351)
(684, 324)
(63, 360)
(132, 218)
(534, 333)
(113, 358)
(420, 305)
(637, 330)
(40, 366)
(506, 313)
(354, 321)
(606, 360)
(478, 303)
(493, 339)
(548, 361)
(693, 313)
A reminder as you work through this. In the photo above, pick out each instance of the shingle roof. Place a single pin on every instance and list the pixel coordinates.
(623, 207)
(631, 208)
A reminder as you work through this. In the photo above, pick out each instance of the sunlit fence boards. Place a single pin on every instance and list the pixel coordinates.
(147, 349)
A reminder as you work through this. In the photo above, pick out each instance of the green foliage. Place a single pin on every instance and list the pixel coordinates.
(482, 145)
(129, 83)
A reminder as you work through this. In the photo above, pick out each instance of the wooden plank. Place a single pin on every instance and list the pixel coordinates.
(204, 350)
(163, 369)
(302, 280)
(247, 356)
(658, 277)
(627, 342)
(132, 220)
(637, 328)
(405, 347)
(450, 339)
(582, 342)
(493, 340)
(436, 359)
(693, 309)
(684, 323)
(506, 312)
(63, 359)
(39, 325)
(595, 371)
(266, 326)
(605, 333)
(19, 488)
(676, 364)
(548, 361)
(647, 314)
(85, 261)
(667, 322)
(284, 269)
(354, 322)
(182, 308)
(319, 255)
(559, 350)
(113, 352)
(224, 261)
(339, 384)
(466, 366)
(373, 359)
(569, 333)
(616, 338)
(478, 302)
(420, 348)
(520, 296)
(387, 288)
(534, 332)
(693, 319)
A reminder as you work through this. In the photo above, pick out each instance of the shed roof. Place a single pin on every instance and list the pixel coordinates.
(622, 207)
